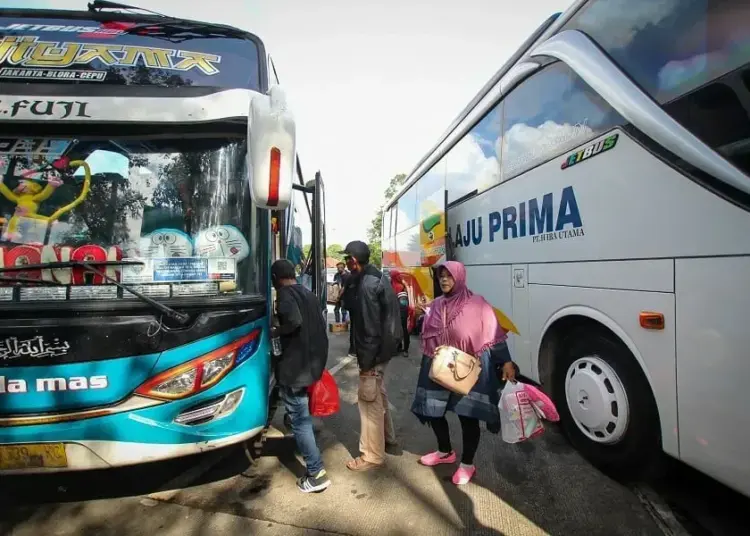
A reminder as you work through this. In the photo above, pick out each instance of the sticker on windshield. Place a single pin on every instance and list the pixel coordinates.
(70, 61)
(592, 150)
(94, 292)
(33, 147)
(180, 270)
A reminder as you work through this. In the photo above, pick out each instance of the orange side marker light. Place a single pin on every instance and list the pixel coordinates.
(651, 320)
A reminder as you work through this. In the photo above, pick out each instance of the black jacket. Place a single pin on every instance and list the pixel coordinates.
(342, 280)
(349, 292)
(377, 319)
(304, 339)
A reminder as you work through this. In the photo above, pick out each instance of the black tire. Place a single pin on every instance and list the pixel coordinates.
(638, 448)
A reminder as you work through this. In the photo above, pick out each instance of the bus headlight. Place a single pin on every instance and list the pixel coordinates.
(201, 373)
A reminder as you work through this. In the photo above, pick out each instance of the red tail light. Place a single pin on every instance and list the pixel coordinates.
(199, 374)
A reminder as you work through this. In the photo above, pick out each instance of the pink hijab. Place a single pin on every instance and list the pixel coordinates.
(471, 321)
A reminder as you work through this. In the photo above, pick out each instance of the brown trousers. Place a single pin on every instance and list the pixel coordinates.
(375, 417)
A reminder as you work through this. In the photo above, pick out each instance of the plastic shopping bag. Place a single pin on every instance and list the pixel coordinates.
(324, 396)
(518, 417)
(542, 403)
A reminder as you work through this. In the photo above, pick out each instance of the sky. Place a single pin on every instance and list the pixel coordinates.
(372, 86)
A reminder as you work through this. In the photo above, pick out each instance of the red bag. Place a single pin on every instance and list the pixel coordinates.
(324, 396)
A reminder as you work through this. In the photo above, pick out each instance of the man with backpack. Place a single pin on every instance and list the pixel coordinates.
(304, 352)
(376, 322)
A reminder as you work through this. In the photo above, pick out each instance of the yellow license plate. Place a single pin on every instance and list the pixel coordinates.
(33, 455)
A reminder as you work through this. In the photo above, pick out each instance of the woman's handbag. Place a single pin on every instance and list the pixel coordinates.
(453, 369)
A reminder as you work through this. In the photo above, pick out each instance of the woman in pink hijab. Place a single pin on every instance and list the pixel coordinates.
(470, 326)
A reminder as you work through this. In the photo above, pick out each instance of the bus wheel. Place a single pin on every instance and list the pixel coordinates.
(606, 407)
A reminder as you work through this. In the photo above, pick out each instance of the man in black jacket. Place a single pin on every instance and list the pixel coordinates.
(348, 301)
(340, 278)
(304, 344)
(376, 321)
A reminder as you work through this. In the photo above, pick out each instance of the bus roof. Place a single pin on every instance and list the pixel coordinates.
(242, 54)
(547, 28)
(210, 29)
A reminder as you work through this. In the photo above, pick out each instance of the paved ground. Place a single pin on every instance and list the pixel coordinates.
(542, 487)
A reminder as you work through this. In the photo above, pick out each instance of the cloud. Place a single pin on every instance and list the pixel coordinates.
(468, 167)
(524, 146)
(623, 19)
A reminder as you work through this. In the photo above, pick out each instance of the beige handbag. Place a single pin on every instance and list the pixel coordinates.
(453, 369)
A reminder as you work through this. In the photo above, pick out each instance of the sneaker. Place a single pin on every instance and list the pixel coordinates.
(463, 475)
(314, 484)
(435, 458)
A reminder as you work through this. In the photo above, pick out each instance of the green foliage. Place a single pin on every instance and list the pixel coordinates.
(333, 252)
(376, 225)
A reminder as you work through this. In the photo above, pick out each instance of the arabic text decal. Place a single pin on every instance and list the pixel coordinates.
(36, 348)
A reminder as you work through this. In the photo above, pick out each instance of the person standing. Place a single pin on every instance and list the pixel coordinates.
(340, 278)
(399, 288)
(463, 320)
(304, 343)
(349, 301)
(377, 332)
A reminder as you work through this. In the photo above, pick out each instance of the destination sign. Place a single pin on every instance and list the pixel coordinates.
(32, 52)
(78, 51)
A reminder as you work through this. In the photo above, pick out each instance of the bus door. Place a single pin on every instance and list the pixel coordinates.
(520, 343)
(309, 221)
(319, 242)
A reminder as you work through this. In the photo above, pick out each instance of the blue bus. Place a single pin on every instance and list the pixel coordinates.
(149, 178)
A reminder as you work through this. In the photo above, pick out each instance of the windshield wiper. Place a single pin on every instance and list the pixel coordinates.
(170, 27)
(182, 318)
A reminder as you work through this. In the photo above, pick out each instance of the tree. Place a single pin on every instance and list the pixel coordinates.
(374, 232)
(333, 252)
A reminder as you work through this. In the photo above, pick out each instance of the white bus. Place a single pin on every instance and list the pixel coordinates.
(598, 191)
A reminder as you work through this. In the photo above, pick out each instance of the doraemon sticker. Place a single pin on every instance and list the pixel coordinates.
(222, 241)
(166, 243)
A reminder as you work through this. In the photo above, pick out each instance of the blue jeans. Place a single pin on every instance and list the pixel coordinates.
(340, 313)
(297, 405)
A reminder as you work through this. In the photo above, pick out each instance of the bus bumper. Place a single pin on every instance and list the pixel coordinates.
(139, 429)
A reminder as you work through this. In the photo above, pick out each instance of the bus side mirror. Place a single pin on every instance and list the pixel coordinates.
(271, 150)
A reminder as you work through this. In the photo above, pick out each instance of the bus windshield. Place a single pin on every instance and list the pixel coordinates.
(181, 207)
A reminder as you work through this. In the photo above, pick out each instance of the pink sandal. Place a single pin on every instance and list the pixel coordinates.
(435, 458)
(463, 475)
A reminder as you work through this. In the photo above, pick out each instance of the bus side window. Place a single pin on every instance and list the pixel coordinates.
(549, 113)
(430, 188)
(669, 47)
(407, 210)
(473, 164)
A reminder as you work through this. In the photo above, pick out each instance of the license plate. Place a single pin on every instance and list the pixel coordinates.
(33, 455)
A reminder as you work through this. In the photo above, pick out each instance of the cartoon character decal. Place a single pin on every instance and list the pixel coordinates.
(166, 243)
(29, 194)
(222, 241)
